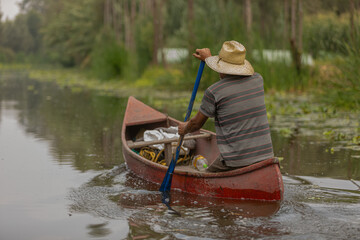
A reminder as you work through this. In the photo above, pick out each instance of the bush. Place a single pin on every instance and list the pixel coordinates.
(108, 58)
(344, 89)
(326, 33)
(343, 85)
(161, 78)
(6, 55)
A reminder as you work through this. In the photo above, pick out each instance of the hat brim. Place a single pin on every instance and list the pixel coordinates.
(228, 68)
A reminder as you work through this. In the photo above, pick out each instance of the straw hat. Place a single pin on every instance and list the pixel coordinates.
(231, 60)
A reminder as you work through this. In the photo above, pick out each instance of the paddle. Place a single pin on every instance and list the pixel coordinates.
(166, 184)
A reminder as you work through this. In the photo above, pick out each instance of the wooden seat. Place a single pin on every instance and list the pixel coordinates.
(167, 142)
(141, 144)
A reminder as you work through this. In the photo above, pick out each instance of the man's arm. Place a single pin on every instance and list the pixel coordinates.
(193, 125)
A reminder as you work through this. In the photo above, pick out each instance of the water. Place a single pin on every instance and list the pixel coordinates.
(62, 175)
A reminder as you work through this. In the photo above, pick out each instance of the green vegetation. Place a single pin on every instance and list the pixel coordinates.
(122, 44)
(326, 34)
(108, 58)
(344, 89)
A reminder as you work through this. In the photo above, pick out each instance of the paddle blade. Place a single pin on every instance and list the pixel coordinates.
(166, 184)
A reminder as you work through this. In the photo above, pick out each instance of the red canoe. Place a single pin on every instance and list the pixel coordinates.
(260, 181)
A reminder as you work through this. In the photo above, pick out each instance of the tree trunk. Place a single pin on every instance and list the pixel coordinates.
(300, 26)
(156, 32)
(295, 52)
(106, 12)
(293, 20)
(117, 21)
(161, 32)
(286, 22)
(127, 25)
(248, 16)
(109, 13)
(264, 18)
(149, 5)
(352, 24)
(190, 29)
(132, 26)
(141, 8)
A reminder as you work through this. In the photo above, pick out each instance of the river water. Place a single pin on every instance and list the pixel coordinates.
(62, 174)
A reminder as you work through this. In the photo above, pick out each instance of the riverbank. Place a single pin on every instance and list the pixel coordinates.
(292, 102)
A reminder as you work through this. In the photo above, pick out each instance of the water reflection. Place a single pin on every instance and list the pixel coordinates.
(84, 129)
(98, 230)
(312, 156)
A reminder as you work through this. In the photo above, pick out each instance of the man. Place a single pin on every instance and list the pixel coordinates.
(236, 102)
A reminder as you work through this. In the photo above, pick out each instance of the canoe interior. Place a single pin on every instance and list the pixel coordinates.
(206, 147)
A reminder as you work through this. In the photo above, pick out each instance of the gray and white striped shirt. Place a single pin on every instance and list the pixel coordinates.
(242, 129)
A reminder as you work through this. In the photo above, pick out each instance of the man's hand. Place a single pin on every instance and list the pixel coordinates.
(193, 125)
(202, 54)
(182, 128)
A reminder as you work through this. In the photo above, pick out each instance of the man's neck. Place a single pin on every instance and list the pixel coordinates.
(222, 75)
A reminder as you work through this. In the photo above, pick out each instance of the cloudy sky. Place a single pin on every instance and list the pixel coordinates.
(9, 8)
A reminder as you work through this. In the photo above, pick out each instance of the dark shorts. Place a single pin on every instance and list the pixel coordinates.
(219, 166)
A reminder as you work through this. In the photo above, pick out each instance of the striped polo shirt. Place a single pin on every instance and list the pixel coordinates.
(242, 129)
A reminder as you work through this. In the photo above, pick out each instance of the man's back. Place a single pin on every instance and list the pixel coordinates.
(238, 106)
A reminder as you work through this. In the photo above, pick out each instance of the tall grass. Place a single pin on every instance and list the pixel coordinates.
(282, 76)
(344, 89)
(325, 33)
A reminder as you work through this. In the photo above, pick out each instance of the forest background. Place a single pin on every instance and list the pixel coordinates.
(310, 46)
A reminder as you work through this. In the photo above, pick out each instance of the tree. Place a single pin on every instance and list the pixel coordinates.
(132, 24)
(107, 13)
(16, 35)
(190, 22)
(156, 32)
(296, 33)
(127, 24)
(1, 24)
(158, 29)
(248, 16)
(286, 25)
(71, 29)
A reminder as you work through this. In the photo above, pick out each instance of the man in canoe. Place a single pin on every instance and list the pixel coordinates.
(237, 104)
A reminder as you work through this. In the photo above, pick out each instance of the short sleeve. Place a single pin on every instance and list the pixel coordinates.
(207, 106)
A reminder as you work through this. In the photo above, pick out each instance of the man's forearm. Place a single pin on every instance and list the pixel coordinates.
(192, 126)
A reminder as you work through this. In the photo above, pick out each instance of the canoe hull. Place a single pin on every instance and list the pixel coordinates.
(264, 183)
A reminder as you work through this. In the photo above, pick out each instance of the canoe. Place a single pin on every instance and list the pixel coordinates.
(260, 181)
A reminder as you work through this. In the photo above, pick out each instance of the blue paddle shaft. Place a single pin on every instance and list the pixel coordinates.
(166, 184)
(196, 86)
